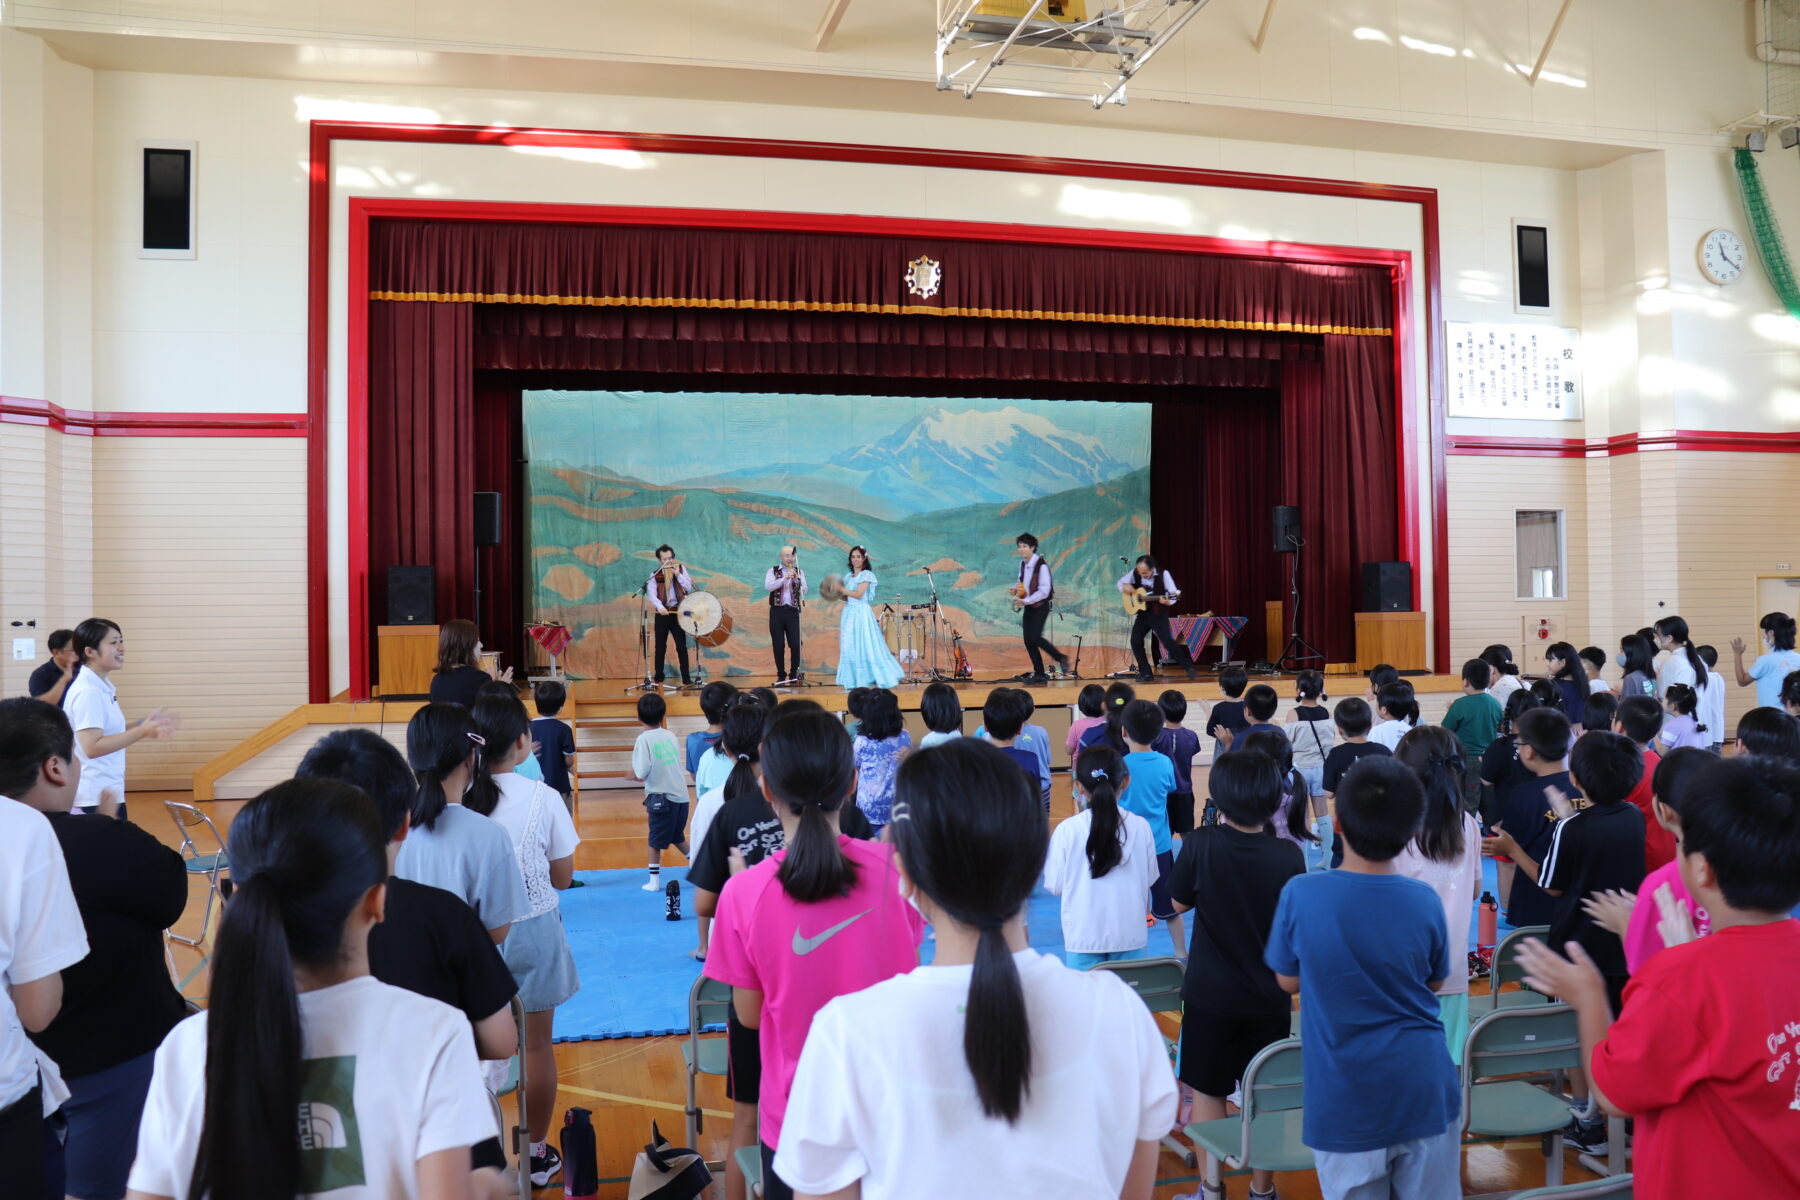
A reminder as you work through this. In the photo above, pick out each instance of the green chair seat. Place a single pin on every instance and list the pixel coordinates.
(1511, 1108)
(712, 1055)
(1275, 1143)
(1481, 1003)
(205, 864)
(749, 1163)
(1616, 1188)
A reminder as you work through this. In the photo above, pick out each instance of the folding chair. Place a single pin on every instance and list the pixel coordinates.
(519, 1136)
(708, 1003)
(1511, 1042)
(1506, 969)
(1158, 982)
(749, 1161)
(1265, 1133)
(1616, 1188)
(211, 864)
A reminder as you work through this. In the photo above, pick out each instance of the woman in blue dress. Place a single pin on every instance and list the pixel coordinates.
(863, 656)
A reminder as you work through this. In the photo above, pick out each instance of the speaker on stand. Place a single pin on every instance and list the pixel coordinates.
(487, 533)
(1285, 525)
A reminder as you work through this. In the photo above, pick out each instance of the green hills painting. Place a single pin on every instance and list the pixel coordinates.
(923, 484)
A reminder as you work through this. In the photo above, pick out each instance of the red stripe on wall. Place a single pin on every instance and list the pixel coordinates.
(1730, 441)
(15, 410)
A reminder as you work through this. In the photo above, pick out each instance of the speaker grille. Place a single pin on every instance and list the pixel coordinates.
(411, 596)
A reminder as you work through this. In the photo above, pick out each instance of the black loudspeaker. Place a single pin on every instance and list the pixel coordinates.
(412, 596)
(1387, 587)
(1285, 524)
(487, 518)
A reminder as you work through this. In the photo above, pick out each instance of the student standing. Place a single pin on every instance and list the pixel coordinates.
(880, 744)
(1682, 720)
(1230, 876)
(1712, 700)
(1701, 1054)
(941, 710)
(1637, 660)
(1102, 862)
(1527, 819)
(92, 702)
(553, 741)
(1777, 661)
(451, 846)
(1353, 720)
(1152, 782)
(819, 918)
(536, 949)
(715, 698)
(1474, 718)
(1365, 949)
(656, 763)
(306, 1076)
(1593, 663)
(1064, 1087)
(1506, 673)
(1091, 705)
(1002, 721)
(1310, 729)
(750, 827)
(1445, 856)
(1260, 703)
(1639, 720)
(1683, 663)
(42, 936)
(1398, 709)
(1181, 746)
(1227, 720)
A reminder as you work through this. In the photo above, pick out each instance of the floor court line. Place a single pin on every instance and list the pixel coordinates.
(637, 1100)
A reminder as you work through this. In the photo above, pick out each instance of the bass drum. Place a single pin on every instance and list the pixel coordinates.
(704, 619)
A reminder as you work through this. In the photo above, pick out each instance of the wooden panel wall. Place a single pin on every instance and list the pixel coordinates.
(46, 540)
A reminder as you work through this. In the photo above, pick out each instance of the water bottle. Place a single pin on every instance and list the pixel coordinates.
(1490, 921)
(672, 896)
(581, 1168)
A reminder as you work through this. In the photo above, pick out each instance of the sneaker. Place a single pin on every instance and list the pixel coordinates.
(652, 886)
(545, 1166)
(1586, 1137)
(1037, 677)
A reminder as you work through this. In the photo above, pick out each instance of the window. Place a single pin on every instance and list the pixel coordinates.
(1538, 553)
(1531, 267)
(168, 200)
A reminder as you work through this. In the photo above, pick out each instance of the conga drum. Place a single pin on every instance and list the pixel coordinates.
(704, 618)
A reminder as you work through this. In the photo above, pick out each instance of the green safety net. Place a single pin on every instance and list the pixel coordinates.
(1767, 231)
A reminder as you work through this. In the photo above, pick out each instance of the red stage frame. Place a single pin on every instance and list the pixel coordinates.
(362, 210)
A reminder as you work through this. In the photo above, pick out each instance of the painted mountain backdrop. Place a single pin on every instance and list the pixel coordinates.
(939, 484)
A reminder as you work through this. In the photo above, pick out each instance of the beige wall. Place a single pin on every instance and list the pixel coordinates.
(200, 555)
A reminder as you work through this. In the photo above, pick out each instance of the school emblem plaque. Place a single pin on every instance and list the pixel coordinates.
(923, 275)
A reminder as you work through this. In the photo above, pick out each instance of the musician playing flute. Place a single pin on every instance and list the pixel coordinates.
(1161, 595)
(666, 587)
(786, 584)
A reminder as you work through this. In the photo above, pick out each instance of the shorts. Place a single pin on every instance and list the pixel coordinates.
(743, 1061)
(1216, 1050)
(1427, 1168)
(487, 1153)
(668, 820)
(1181, 813)
(1471, 785)
(1161, 907)
(536, 951)
(1076, 960)
(1453, 1013)
(1315, 779)
(103, 1111)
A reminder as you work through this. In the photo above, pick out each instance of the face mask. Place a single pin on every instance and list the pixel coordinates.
(1619, 658)
(900, 886)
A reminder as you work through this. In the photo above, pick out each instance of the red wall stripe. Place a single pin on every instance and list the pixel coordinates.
(1729, 441)
(15, 410)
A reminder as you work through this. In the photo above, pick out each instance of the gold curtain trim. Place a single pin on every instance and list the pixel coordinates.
(912, 310)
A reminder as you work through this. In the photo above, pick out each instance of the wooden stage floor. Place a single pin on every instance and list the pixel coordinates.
(627, 1084)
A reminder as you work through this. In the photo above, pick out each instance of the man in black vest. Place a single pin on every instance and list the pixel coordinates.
(1033, 595)
(786, 584)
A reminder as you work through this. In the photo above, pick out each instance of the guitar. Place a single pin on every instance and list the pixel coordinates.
(1138, 599)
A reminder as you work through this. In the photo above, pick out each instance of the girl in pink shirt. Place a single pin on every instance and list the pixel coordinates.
(821, 918)
(1091, 703)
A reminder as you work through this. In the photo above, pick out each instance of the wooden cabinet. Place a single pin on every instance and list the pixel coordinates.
(1395, 638)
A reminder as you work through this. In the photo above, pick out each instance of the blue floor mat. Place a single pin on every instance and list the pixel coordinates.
(634, 965)
(636, 973)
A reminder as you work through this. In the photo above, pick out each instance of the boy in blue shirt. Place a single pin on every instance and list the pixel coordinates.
(554, 740)
(1002, 724)
(1365, 949)
(1147, 795)
(1260, 703)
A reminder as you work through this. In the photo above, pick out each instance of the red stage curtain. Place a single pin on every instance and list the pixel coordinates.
(612, 266)
(499, 467)
(1338, 457)
(707, 341)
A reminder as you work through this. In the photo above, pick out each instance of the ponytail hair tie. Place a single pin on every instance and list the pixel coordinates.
(744, 758)
(990, 923)
(1098, 772)
(477, 738)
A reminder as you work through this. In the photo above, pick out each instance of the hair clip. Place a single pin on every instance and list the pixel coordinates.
(743, 758)
(900, 812)
(477, 738)
(1098, 773)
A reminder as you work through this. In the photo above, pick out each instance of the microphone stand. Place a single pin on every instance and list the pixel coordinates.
(932, 671)
(644, 643)
(1129, 670)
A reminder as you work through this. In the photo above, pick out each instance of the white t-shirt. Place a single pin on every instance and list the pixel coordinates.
(541, 831)
(1596, 685)
(656, 759)
(390, 1077)
(1712, 706)
(1504, 686)
(1389, 733)
(882, 1093)
(1675, 669)
(92, 702)
(40, 930)
(1454, 883)
(1104, 915)
(705, 810)
(713, 769)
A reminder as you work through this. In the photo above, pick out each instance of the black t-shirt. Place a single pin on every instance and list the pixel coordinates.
(1226, 714)
(1232, 880)
(1525, 813)
(118, 1002)
(1343, 756)
(44, 678)
(1595, 849)
(431, 943)
(750, 825)
(461, 686)
(556, 741)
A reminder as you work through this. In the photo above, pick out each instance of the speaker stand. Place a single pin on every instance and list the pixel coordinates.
(477, 589)
(1298, 650)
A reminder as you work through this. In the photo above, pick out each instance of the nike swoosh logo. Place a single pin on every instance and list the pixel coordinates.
(806, 945)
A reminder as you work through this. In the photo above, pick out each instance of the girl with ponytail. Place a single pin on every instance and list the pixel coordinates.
(819, 918)
(1446, 855)
(1683, 663)
(1570, 678)
(995, 1062)
(1102, 862)
(1682, 726)
(450, 846)
(1291, 819)
(306, 1076)
(543, 840)
(750, 821)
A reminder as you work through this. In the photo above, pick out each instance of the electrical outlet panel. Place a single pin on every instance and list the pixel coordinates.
(24, 649)
(1538, 631)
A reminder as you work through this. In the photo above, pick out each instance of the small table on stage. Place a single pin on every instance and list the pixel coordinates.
(1197, 633)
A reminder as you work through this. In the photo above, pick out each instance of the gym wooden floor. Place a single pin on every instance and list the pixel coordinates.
(627, 1084)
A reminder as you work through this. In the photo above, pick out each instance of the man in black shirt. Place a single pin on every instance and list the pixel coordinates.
(118, 1002)
(428, 940)
(50, 681)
